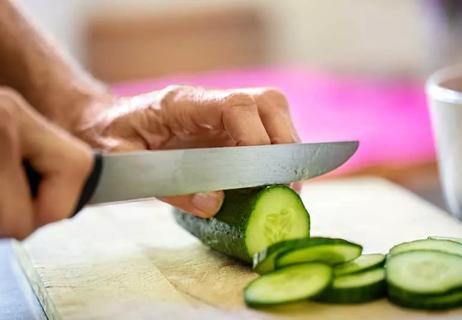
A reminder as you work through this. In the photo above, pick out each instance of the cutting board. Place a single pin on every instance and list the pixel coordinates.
(131, 261)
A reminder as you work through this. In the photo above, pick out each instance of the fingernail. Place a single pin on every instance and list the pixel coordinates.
(208, 202)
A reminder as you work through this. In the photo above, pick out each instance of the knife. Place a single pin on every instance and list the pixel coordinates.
(146, 174)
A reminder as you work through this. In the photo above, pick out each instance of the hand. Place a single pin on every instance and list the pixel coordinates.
(189, 117)
(63, 162)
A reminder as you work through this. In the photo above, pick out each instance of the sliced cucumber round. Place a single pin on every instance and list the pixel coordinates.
(250, 220)
(448, 246)
(440, 302)
(424, 272)
(326, 250)
(263, 261)
(356, 288)
(290, 284)
(360, 264)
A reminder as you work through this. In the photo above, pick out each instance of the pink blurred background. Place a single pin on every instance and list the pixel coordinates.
(388, 117)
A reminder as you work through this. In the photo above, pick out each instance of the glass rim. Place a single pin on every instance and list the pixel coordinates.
(437, 91)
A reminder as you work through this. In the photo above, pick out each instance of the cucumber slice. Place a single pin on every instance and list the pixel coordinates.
(360, 264)
(424, 272)
(327, 250)
(263, 261)
(250, 220)
(441, 302)
(290, 284)
(448, 246)
(458, 240)
(356, 288)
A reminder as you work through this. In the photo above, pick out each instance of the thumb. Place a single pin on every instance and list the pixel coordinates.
(203, 204)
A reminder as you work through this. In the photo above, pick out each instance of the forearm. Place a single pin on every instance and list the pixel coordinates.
(34, 66)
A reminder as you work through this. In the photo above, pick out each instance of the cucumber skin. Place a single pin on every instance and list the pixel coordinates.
(281, 247)
(314, 241)
(412, 301)
(393, 249)
(353, 295)
(276, 248)
(371, 267)
(458, 240)
(225, 232)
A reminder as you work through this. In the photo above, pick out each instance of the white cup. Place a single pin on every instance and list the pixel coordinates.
(444, 92)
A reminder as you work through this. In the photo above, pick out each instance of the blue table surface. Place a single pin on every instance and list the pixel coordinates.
(17, 300)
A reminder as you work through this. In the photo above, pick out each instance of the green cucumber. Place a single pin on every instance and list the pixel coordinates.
(448, 246)
(356, 288)
(360, 264)
(290, 284)
(458, 240)
(414, 274)
(327, 250)
(439, 302)
(250, 220)
(263, 261)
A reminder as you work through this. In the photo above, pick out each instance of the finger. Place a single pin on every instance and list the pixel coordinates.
(16, 215)
(244, 125)
(63, 162)
(57, 197)
(204, 205)
(275, 115)
(66, 167)
(189, 109)
(297, 186)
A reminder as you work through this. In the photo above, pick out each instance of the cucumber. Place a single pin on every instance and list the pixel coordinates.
(263, 261)
(414, 274)
(356, 288)
(250, 220)
(290, 284)
(327, 250)
(440, 302)
(360, 264)
(448, 246)
(458, 240)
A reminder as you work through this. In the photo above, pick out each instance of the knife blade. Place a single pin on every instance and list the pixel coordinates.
(144, 174)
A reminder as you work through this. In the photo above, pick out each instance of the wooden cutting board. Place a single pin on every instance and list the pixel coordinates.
(131, 261)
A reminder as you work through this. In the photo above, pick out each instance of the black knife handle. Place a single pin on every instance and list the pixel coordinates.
(88, 189)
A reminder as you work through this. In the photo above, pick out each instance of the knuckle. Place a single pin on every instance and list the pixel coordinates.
(274, 97)
(240, 99)
(172, 92)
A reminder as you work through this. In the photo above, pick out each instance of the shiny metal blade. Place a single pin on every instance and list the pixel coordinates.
(145, 174)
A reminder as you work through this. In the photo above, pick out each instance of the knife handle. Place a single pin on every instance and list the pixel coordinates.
(88, 189)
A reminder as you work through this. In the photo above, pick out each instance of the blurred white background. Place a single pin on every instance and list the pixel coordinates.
(407, 37)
